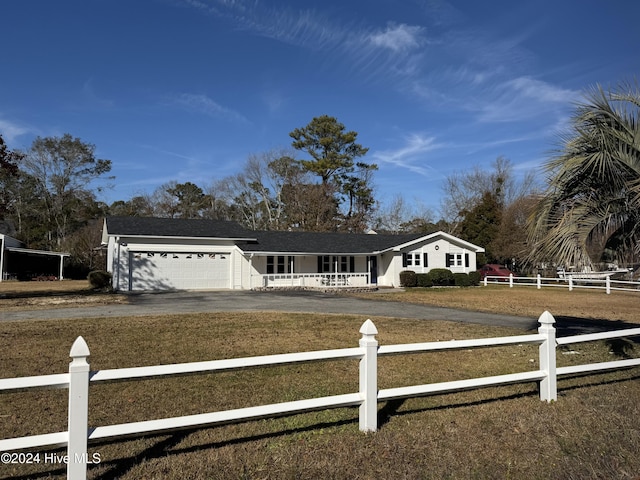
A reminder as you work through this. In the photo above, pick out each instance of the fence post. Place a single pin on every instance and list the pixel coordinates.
(608, 284)
(369, 378)
(539, 282)
(548, 385)
(485, 280)
(511, 280)
(78, 411)
(570, 283)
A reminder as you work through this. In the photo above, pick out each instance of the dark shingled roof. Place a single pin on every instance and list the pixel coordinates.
(257, 241)
(176, 227)
(314, 242)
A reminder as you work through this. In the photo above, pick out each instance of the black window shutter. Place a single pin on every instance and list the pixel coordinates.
(320, 264)
(425, 261)
(352, 264)
(448, 260)
(466, 260)
(404, 260)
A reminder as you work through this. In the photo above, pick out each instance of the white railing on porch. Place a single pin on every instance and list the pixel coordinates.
(79, 377)
(570, 282)
(312, 280)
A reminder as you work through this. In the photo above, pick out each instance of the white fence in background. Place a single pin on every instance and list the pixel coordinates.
(606, 284)
(79, 377)
(313, 280)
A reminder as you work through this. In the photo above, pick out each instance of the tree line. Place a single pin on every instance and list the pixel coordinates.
(587, 212)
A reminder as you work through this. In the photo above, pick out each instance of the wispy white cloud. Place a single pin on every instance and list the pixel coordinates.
(274, 100)
(371, 50)
(523, 98)
(92, 98)
(303, 27)
(478, 70)
(169, 153)
(410, 155)
(398, 38)
(541, 91)
(199, 103)
(11, 130)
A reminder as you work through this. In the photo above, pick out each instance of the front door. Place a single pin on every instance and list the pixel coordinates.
(372, 266)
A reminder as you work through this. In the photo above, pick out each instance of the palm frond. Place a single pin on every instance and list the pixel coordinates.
(594, 182)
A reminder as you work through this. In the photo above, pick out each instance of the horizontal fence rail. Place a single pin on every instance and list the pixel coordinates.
(80, 377)
(311, 280)
(568, 281)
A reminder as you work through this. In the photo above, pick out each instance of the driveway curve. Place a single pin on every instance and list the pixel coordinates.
(288, 301)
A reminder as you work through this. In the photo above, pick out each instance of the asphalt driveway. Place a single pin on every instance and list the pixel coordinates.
(290, 301)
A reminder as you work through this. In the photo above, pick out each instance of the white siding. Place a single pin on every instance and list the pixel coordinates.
(155, 265)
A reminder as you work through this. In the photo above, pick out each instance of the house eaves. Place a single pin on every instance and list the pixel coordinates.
(229, 239)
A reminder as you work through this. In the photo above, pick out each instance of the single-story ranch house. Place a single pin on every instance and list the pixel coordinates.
(163, 253)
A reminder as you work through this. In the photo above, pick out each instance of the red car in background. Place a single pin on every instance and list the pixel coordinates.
(495, 270)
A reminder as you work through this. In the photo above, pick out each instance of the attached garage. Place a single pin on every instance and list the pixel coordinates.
(147, 254)
(180, 270)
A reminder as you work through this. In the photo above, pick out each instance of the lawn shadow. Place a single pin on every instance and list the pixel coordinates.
(15, 294)
(164, 445)
(569, 326)
(386, 413)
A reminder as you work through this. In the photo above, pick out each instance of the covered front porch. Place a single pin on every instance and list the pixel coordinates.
(313, 271)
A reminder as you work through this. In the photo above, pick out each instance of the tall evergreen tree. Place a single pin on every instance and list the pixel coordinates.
(333, 152)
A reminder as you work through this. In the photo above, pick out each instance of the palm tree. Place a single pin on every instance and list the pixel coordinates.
(592, 203)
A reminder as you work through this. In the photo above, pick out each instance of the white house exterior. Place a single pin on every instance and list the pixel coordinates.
(165, 254)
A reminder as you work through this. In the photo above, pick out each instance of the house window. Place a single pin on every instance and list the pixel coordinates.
(457, 259)
(411, 259)
(332, 264)
(279, 264)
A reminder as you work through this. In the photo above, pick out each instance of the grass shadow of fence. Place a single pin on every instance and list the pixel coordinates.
(568, 326)
(164, 445)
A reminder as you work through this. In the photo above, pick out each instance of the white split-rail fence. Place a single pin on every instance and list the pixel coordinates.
(569, 282)
(79, 377)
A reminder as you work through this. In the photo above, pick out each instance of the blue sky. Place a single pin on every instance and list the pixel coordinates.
(187, 90)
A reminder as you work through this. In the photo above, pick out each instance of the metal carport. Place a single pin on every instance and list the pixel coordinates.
(19, 262)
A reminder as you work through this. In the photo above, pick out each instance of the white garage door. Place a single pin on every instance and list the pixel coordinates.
(182, 271)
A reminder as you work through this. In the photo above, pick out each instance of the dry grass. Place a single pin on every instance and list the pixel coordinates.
(16, 295)
(15, 288)
(593, 431)
(527, 301)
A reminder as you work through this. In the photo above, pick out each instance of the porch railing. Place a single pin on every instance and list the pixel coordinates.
(313, 280)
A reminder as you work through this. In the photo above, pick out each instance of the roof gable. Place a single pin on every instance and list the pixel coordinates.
(445, 236)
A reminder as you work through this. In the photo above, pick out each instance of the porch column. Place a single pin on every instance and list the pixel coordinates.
(291, 268)
(61, 267)
(1, 259)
